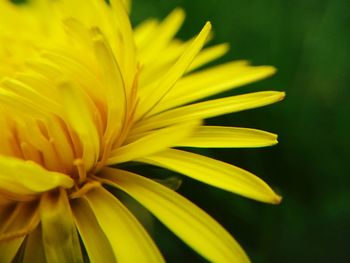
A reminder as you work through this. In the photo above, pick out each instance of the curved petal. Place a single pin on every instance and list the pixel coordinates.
(215, 173)
(113, 84)
(212, 81)
(127, 49)
(150, 98)
(186, 220)
(34, 248)
(14, 176)
(79, 116)
(153, 142)
(209, 54)
(60, 237)
(160, 35)
(228, 137)
(16, 223)
(129, 240)
(19, 221)
(208, 109)
(95, 241)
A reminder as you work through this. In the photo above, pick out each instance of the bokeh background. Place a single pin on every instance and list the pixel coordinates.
(308, 41)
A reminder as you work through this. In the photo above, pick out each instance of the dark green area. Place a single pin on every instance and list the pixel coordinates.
(308, 42)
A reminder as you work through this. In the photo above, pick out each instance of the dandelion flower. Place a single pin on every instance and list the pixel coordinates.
(81, 92)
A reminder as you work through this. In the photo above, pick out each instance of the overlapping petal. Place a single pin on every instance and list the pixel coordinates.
(84, 90)
(14, 176)
(215, 173)
(129, 240)
(59, 234)
(186, 220)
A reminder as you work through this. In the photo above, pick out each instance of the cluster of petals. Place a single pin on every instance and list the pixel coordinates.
(82, 92)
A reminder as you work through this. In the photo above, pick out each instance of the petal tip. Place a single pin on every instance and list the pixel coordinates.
(277, 199)
(282, 95)
(208, 25)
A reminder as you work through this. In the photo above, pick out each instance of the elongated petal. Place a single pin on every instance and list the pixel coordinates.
(144, 31)
(81, 120)
(153, 142)
(127, 48)
(162, 34)
(30, 93)
(60, 238)
(214, 172)
(19, 222)
(159, 67)
(211, 81)
(34, 249)
(114, 85)
(129, 241)
(14, 176)
(175, 72)
(95, 241)
(228, 137)
(14, 227)
(186, 220)
(9, 249)
(210, 108)
(209, 54)
(127, 4)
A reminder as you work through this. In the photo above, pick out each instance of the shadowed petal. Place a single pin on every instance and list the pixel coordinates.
(129, 240)
(60, 237)
(186, 220)
(215, 173)
(34, 249)
(95, 241)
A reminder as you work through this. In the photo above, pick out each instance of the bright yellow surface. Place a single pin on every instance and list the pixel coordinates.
(83, 90)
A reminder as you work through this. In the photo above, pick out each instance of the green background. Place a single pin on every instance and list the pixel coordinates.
(308, 42)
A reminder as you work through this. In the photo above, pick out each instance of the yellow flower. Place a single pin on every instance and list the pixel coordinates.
(82, 92)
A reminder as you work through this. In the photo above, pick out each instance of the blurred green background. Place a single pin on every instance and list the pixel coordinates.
(308, 42)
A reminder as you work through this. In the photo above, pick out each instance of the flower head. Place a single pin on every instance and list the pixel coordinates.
(82, 92)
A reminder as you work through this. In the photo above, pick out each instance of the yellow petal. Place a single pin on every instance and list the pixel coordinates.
(211, 81)
(209, 54)
(150, 99)
(144, 31)
(228, 137)
(127, 49)
(79, 116)
(60, 237)
(129, 240)
(17, 223)
(42, 84)
(95, 241)
(9, 249)
(215, 173)
(26, 177)
(153, 142)
(114, 87)
(74, 66)
(31, 94)
(21, 105)
(210, 108)
(186, 220)
(163, 34)
(127, 4)
(34, 249)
